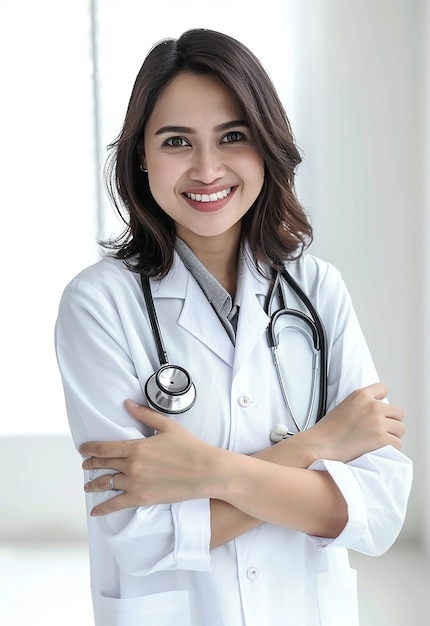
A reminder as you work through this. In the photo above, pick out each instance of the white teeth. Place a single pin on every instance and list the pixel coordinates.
(209, 198)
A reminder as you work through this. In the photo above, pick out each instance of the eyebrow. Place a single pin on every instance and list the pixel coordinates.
(192, 131)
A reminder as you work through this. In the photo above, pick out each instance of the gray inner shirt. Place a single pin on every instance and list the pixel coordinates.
(221, 301)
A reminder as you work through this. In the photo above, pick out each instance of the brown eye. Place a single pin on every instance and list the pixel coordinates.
(176, 142)
(233, 137)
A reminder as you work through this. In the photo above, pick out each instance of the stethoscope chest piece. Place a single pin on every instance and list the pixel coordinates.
(170, 390)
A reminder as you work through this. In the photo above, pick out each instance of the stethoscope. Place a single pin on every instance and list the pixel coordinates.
(312, 328)
(171, 390)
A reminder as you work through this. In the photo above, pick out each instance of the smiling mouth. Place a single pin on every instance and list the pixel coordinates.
(213, 197)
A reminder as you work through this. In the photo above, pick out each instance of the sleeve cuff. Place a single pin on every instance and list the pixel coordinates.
(350, 489)
(191, 520)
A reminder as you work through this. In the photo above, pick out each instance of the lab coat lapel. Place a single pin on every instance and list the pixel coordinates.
(253, 320)
(197, 315)
(200, 319)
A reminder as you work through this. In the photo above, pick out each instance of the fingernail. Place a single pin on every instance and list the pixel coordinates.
(94, 513)
(132, 403)
(86, 487)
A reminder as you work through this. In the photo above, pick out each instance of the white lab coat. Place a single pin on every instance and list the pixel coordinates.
(152, 566)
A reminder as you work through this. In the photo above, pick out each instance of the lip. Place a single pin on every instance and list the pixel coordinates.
(209, 207)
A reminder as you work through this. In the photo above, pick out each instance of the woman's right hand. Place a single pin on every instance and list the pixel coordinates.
(363, 422)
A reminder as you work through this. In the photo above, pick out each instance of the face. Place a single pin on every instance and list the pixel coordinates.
(203, 167)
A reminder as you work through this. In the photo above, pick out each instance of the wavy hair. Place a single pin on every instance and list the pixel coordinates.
(276, 226)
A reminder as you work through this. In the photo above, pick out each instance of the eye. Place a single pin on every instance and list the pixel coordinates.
(176, 142)
(233, 137)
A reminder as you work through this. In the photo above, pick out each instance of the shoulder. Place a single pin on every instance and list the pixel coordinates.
(315, 275)
(111, 282)
(103, 271)
(323, 283)
(108, 279)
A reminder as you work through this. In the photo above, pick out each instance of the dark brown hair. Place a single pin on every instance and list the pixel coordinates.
(276, 226)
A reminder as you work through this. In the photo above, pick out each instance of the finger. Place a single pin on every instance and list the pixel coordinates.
(378, 390)
(117, 503)
(106, 449)
(95, 462)
(396, 428)
(395, 412)
(144, 414)
(104, 483)
(394, 441)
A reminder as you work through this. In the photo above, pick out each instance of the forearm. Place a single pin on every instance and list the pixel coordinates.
(304, 500)
(326, 518)
(229, 522)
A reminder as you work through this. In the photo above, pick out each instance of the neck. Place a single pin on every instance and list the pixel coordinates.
(219, 255)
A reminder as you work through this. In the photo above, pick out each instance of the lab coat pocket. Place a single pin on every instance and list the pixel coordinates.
(337, 597)
(168, 608)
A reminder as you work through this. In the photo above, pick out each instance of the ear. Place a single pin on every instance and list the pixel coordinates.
(141, 154)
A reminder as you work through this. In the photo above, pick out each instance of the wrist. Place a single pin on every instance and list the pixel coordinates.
(220, 474)
(304, 448)
(300, 451)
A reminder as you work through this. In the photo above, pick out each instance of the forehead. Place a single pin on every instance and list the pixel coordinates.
(192, 98)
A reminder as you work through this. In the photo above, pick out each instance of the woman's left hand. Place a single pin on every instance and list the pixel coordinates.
(171, 466)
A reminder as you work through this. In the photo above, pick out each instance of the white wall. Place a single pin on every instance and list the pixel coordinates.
(48, 202)
(424, 242)
(42, 490)
(358, 112)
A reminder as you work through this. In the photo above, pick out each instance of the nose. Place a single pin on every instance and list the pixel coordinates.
(207, 165)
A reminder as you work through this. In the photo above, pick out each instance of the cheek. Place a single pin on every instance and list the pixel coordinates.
(262, 172)
(259, 169)
(160, 183)
(256, 161)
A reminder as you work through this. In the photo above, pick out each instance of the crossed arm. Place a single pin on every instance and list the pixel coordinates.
(274, 485)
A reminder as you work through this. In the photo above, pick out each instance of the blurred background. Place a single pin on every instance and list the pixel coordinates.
(354, 76)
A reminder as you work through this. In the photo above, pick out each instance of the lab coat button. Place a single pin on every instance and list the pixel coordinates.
(244, 401)
(252, 573)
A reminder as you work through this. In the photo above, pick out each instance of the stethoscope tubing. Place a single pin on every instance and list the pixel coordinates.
(319, 338)
(322, 402)
(153, 320)
(171, 390)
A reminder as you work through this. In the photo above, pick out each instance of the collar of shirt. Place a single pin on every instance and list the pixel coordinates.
(221, 301)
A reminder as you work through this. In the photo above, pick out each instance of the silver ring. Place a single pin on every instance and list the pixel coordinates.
(111, 483)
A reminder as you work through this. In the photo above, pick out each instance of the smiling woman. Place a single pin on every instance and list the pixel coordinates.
(212, 522)
(206, 109)
(358, 114)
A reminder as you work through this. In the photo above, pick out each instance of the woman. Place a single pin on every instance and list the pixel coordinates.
(214, 525)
